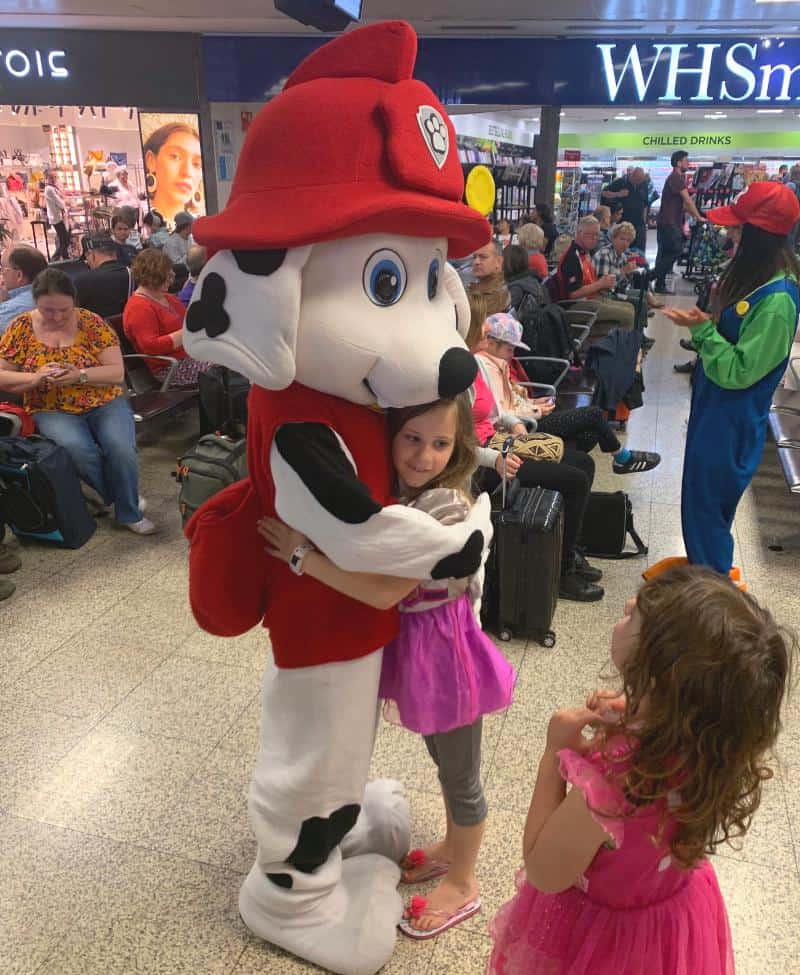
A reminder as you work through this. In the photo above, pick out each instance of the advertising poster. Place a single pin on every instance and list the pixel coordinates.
(173, 163)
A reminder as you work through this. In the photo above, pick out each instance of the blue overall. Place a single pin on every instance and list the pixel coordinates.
(724, 442)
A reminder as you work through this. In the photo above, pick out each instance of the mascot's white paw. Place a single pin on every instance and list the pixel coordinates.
(350, 930)
(384, 824)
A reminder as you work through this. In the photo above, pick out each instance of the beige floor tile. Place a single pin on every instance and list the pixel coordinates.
(207, 819)
(769, 840)
(791, 792)
(187, 698)
(763, 905)
(32, 742)
(250, 650)
(114, 784)
(460, 950)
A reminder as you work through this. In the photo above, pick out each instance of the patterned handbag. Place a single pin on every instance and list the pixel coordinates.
(531, 446)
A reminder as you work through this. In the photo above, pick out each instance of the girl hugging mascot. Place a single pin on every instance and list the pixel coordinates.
(329, 288)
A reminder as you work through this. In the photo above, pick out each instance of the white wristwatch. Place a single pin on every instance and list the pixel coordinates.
(297, 558)
(82, 377)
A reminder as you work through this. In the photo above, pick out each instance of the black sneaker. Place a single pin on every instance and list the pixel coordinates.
(661, 289)
(687, 344)
(684, 368)
(638, 462)
(647, 343)
(582, 567)
(573, 586)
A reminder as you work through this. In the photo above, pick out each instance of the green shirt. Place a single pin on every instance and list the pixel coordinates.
(765, 338)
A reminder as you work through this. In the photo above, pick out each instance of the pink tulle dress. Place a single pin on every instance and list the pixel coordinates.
(634, 912)
(442, 672)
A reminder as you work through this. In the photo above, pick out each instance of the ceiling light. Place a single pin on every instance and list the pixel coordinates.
(625, 118)
(769, 111)
(670, 112)
(563, 114)
(716, 115)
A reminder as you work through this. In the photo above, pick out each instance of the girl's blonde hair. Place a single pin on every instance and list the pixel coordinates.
(531, 237)
(478, 313)
(458, 472)
(704, 691)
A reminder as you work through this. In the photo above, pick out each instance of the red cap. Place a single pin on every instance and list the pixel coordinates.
(768, 205)
(351, 146)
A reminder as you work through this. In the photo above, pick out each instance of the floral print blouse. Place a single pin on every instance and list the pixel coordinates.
(19, 345)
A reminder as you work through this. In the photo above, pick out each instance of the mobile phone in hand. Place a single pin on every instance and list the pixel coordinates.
(57, 372)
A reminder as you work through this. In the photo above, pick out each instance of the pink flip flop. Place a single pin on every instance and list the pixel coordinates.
(417, 908)
(419, 858)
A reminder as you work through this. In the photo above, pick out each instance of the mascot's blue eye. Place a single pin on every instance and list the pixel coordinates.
(433, 278)
(384, 278)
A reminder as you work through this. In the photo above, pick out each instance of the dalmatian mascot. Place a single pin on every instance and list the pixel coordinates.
(329, 288)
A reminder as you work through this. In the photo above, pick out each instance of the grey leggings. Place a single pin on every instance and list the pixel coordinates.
(457, 755)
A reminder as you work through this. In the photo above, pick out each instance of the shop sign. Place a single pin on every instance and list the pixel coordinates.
(18, 63)
(703, 73)
(572, 155)
(664, 143)
(500, 132)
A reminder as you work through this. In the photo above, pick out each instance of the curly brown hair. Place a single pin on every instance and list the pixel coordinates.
(151, 268)
(704, 690)
(462, 463)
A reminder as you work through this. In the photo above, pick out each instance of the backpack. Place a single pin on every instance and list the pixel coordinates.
(214, 463)
(546, 330)
(40, 493)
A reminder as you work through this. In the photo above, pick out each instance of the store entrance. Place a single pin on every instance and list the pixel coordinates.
(100, 159)
(95, 157)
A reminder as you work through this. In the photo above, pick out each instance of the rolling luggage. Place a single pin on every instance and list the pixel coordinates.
(223, 401)
(40, 493)
(524, 565)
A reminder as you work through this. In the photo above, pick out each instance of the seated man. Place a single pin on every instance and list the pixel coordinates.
(577, 279)
(105, 287)
(121, 231)
(20, 265)
(487, 268)
(195, 261)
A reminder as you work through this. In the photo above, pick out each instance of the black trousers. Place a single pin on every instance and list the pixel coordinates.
(572, 478)
(640, 242)
(584, 428)
(62, 251)
(670, 245)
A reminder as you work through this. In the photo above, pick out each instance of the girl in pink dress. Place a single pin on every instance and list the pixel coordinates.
(441, 674)
(616, 879)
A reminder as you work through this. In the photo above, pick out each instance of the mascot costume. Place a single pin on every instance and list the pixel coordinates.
(329, 289)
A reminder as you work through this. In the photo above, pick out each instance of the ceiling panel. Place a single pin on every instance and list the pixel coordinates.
(471, 17)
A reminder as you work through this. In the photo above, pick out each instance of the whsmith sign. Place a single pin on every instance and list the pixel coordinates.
(535, 71)
(700, 73)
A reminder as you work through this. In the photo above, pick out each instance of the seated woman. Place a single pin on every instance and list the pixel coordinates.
(67, 365)
(520, 279)
(572, 478)
(531, 238)
(153, 318)
(584, 427)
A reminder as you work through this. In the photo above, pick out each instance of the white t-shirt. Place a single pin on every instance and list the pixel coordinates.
(176, 248)
(55, 204)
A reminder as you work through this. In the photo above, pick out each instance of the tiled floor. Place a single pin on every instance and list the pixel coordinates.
(128, 737)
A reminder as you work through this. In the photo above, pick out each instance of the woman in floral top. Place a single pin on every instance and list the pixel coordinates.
(67, 365)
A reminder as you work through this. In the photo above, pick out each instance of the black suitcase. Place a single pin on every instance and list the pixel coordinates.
(524, 565)
(40, 493)
(223, 401)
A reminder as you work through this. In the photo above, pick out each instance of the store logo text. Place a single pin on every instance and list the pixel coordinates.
(741, 78)
(34, 64)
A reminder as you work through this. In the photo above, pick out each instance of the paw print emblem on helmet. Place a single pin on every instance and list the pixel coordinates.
(434, 131)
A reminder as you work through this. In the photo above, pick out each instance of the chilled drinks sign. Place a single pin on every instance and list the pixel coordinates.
(693, 73)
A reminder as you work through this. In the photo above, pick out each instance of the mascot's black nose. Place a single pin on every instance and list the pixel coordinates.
(457, 372)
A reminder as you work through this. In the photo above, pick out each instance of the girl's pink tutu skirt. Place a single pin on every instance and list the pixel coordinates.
(442, 672)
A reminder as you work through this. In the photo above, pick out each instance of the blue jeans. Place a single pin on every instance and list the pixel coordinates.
(102, 443)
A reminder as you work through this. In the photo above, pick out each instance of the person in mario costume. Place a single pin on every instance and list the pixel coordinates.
(329, 288)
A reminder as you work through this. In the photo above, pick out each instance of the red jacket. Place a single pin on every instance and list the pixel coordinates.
(234, 584)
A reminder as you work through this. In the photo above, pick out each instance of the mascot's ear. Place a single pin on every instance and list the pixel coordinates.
(455, 290)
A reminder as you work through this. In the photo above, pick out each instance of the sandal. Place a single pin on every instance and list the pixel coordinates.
(419, 858)
(418, 907)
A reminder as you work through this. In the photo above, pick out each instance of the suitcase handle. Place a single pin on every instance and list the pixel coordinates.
(505, 450)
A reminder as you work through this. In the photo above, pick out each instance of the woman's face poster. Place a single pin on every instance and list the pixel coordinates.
(173, 163)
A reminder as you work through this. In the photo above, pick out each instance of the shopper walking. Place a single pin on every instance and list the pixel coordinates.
(57, 215)
(631, 192)
(674, 200)
(742, 355)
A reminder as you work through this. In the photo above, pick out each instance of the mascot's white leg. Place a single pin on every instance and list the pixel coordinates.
(317, 733)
